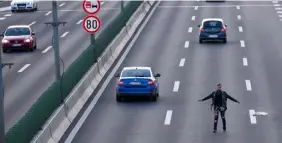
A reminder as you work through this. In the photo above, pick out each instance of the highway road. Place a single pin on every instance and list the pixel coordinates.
(34, 72)
(248, 66)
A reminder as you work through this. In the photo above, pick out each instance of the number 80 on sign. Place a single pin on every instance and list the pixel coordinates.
(91, 24)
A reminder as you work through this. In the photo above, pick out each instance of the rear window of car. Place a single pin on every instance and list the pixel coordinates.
(136, 73)
(17, 31)
(212, 24)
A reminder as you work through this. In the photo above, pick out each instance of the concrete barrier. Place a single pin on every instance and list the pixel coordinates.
(61, 119)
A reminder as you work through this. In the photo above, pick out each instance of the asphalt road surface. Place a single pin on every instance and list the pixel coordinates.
(248, 66)
(34, 72)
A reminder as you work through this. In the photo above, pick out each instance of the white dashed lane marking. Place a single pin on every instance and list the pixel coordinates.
(253, 118)
(245, 61)
(279, 12)
(182, 62)
(176, 86)
(239, 17)
(62, 4)
(278, 8)
(168, 117)
(7, 15)
(242, 43)
(240, 29)
(32, 23)
(186, 45)
(275, 1)
(24, 68)
(2, 18)
(280, 16)
(276, 5)
(79, 21)
(238, 7)
(196, 7)
(47, 49)
(248, 85)
(65, 34)
(190, 29)
(193, 18)
(49, 12)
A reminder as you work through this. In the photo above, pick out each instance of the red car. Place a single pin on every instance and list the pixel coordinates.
(18, 37)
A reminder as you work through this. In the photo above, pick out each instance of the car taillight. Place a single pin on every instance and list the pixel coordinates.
(202, 29)
(120, 83)
(151, 82)
(223, 29)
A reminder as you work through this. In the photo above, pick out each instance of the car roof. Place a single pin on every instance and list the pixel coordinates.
(212, 19)
(132, 68)
(19, 26)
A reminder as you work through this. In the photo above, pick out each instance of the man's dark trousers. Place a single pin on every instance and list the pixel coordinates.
(222, 114)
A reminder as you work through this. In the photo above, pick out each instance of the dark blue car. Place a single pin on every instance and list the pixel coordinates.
(212, 29)
(137, 81)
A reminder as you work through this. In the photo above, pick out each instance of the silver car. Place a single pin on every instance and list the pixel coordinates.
(23, 5)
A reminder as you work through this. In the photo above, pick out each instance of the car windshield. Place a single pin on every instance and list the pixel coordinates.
(136, 73)
(17, 31)
(212, 24)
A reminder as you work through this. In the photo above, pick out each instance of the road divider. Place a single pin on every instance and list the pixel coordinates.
(57, 107)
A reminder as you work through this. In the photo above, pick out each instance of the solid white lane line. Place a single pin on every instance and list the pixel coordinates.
(193, 18)
(168, 117)
(49, 12)
(238, 7)
(245, 61)
(62, 4)
(3, 18)
(242, 43)
(248, 85)
(65, 34)
(182, 62)
(279, 12)
(32, 23)
(47, 49)
(7, 15)
(239, 17)
(190, 29)
(240, 29)
(276, 5)
(196, 7)
(79, 21)
(176, 86)
(252, 117)
(278, 8)
(186, 44)
(23, 68)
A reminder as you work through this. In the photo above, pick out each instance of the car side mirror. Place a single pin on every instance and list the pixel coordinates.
(32, 33)
(225, 25)
(199, 25)
(117, 75)
(158, 75)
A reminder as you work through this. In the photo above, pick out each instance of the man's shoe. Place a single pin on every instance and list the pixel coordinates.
(214, 131)
(224, 128)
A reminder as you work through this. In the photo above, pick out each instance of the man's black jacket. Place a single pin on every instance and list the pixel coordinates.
(222, 100)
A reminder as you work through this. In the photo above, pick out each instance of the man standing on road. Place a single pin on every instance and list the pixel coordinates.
(219, 103)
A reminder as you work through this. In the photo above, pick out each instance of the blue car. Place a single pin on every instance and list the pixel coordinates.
(212, 29)
(137, 81)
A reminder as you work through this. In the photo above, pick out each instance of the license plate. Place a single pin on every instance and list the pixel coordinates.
(213, 36)
(135, 83)
(16, 45)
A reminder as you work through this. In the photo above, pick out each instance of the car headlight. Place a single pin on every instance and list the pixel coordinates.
(27, 40)
(5, 41)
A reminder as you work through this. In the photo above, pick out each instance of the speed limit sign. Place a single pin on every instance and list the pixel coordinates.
(91, 24)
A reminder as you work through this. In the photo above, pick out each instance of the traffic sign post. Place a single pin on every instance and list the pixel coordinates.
(91, 6)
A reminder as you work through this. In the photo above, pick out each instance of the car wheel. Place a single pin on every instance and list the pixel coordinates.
(200, 41)
(118, 98)
(154, 98)
(35, 7)
(224, 40)
(4, 51)
(13, 11)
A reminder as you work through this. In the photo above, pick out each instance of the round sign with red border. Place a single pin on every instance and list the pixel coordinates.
(91, 24)
(91, 6)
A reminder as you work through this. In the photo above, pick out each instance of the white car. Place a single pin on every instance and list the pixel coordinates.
(23, 5)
